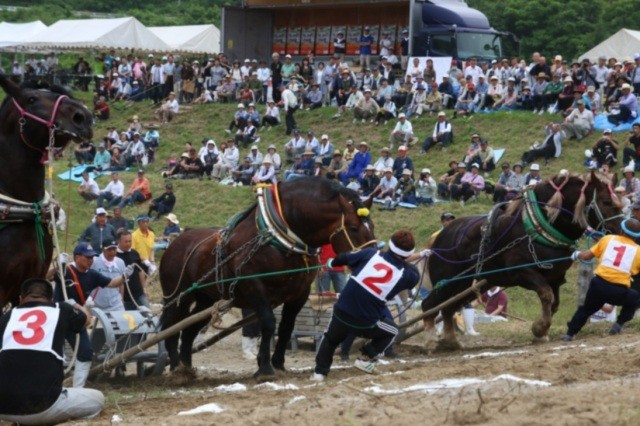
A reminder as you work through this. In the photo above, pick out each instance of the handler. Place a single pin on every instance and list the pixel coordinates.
(376, 278)
(31, 349)
(619, 259)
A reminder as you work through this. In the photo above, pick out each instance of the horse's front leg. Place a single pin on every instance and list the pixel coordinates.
(540, 327)
(289, 313)
(449, 342)
(267, 328)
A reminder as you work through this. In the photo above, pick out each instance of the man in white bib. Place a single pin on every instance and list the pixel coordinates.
(376, 277)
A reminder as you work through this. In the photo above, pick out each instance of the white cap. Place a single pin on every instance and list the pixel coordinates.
(100, 210)
(288, 56)
(628, 169)
(388, 170)
(406, 172)
(607, 131)
(442, 114)
(476, 165)
(401, 115)
(325, 136)
(535, 166)
(240, 105)
(402, 148)
(254, 147)
(425, 170)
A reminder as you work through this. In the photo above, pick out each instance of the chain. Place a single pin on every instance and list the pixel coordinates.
(534, 255)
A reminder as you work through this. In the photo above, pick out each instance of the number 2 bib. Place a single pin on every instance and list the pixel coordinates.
(31, 329)
(379, 277)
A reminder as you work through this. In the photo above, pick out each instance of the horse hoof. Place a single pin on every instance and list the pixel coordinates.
(264, 377)
(541, 339)
(280, 367)
(448, 346)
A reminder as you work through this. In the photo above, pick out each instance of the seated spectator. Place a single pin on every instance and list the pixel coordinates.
(255, 156)
(256, 87)
(99, 230)
(495, 301)
(387, 112)
(122, 143)
(473, 149)
(384, 92)
(565, 97)
(266, 174)
(537, 93)
(627, 106)
(471, 184)
(632, 147)
(356, 167)
(318, 168)
(118, 222)
(533, 177)
(240, 118)
(311, 144)
(169, 109)
(271, 116)
(226, 91)
(243, 173)
(442, 134)
(387, 187)
(485, 157)
(205, 97)
(247, 135)
(551, 93)
(426, 188)
(337, 165)
(631, 184)
(385, 161)
(253, 115)
(304, 168)
(525, 100)
(84, 152)
(295, 146)
(605, 150)
(325, 150)
(209, 156)
(138, 192)
(594, 99)
(226, 162)
(352, 99)
(245, 94)
(164, 203)
(190, 166)
(402, 132)
(171, 230)
(88, 188)
(112, 193)
(509, 97)
(579, 123)
(117, 162)
(151, 141)
(510, 183)
(134, 126)
(550, 148)
(418, 101)
(349, 152)
(274, 157)
(448, 183)
(314, 97)
(101, 109)
(494, 93)
(467, 102)
(405, 191)
(369, 181)
(102, 159)
(135, 151)
(402, 162)
(366, 108)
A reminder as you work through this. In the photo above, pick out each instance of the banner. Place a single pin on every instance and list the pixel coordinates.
(353, 40)
(307, 40)
(334, 33)
(293, 41)
(279, 40)
(323, 40)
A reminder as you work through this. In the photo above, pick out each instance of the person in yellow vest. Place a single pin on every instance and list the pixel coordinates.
(618, 260)
(143, 241)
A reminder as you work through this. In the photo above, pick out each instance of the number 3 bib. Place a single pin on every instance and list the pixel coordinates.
(379, 277)
(31, 329)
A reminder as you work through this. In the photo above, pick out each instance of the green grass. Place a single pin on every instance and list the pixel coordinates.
(204, 203)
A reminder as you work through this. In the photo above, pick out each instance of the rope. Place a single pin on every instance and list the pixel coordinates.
(39, 229)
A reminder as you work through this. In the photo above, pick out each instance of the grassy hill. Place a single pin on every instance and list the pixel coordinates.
(205, 203)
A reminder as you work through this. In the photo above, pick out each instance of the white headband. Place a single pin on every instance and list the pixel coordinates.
(399, 251)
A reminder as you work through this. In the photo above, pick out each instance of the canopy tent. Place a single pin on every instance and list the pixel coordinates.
(119, 33)
(13, 34)
(190, 38)
(622, 45)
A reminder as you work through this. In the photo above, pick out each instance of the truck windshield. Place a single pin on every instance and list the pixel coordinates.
(479, 45)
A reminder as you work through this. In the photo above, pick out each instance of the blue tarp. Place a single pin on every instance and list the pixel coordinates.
(601, 123)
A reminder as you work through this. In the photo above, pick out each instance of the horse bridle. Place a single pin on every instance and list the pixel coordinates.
(593, 205)
(342, 229)
(50, 124)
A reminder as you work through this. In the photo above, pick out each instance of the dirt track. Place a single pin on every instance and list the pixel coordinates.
(594, 380)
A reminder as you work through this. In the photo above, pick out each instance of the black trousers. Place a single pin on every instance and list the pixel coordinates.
(382, 335)
(290, 119)
(599, 293)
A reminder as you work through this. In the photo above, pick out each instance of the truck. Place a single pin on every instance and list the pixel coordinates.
(435, 27)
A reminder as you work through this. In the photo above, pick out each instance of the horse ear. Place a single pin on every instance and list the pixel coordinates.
(9, 86)
(369, 201)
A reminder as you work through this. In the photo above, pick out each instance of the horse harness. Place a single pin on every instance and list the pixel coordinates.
(538, 227)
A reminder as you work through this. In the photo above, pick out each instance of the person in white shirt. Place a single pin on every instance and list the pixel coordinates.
(415, 69)
(157, 80)
(473, 70)
(271, 116)
(387, 185)
(169, 109)
(273, 156)
(264, 75)
(384, 162)
(112, 193)
(402, 132)
(109, 299)
(245, 69)
(228, 161)
(579, 124)
(325, 150)
(290, 105)
(255, 156)
(294, 146)
(385, 44)
(88, 188)
(265, 174)
(135, 151)
(441, 133)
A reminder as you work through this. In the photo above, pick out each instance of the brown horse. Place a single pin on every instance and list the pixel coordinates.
(32, 118)
(279, 233)
(508, 237)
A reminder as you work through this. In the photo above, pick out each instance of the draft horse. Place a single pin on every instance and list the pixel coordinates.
(32, 118)
(280, 232)
(543, 224)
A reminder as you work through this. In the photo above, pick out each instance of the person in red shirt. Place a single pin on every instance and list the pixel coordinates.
(495, 301)
(328, 275)
(139, 191)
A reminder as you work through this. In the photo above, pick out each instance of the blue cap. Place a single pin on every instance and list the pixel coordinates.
(84, 249)
(142, 217)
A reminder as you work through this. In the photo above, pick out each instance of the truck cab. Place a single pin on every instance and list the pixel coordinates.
(451, 28)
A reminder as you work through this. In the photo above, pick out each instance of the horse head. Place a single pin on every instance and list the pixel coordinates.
(41, 112)
(355, 230)
(602, 207)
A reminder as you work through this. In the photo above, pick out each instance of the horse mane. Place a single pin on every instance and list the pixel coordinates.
(39, 84)
(351, 195)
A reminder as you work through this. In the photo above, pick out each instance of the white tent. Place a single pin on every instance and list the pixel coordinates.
(15, 34)
(622, 45)
(190, 38)
(119, 33)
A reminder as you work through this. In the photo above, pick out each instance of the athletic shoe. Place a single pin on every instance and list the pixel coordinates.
(317, 377)
(567, 338)
(615, 329)
(367, 366)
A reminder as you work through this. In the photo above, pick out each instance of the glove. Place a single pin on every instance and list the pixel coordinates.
(425, 253)
(329, 263)
(574, 255)
(89, 303)
(63, 258)
(128, 271)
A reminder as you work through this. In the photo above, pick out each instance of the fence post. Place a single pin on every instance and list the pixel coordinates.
(585, 273)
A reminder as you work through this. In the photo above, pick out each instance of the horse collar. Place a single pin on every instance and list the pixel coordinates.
(538, 227)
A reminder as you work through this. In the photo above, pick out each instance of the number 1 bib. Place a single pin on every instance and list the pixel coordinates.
(619, 256)
(31, 329)
(379, 277)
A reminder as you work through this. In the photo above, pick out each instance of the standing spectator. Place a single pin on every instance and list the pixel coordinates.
(135, 292)
(88, 188)
(386, 43)
(113, 192)
(579, 124)
(138, 192)
(290, 105)
(157, 78)
(31, 395)
(118, 222)
(339, 45)
(164, 203)
(442, 133)
(402, 132)
(169, 69)
(99, 231)
(107, 264)
(142, 240)
(404, 48)
(366, 42)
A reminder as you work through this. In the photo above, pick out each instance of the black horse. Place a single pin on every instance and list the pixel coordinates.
(540, 226)
(278, 234)
(32, 118)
